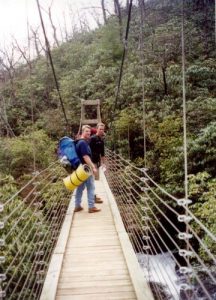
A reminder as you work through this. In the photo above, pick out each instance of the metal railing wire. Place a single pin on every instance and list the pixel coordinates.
(156, 224)
(31, 221)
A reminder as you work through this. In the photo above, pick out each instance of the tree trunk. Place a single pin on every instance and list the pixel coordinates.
(142, 8)
(117, 8)
(127, 6)
(35, 38)
(104, 11)
(164, 80)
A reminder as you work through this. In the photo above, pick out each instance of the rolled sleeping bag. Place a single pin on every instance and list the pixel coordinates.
(80, 175)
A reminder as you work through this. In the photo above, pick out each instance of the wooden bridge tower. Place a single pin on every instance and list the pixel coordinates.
(84, 105)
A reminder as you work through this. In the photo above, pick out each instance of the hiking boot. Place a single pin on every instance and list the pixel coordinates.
(98, 200)
(94, 209)
(78, 208)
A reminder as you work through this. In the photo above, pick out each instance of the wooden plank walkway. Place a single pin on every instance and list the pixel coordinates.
(94, 265)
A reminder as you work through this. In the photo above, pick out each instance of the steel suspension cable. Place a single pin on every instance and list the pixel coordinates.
(36, 235)
(163, 191)
(128, 188)
(122, 62)
(24, 211)
(118, 184)
(28, 183)
(46, 250)
(26, 240)
(142, 73)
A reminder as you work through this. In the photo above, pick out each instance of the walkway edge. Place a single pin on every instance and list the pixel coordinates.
(141, 287)
(51, 282)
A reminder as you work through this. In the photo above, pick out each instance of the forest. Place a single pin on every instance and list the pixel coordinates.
(87, 65)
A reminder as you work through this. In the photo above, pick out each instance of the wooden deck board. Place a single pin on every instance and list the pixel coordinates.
(105, 296)
(94, 266)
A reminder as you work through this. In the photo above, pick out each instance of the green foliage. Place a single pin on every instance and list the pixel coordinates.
(200, 112)
(202, 190)
(202, 151)
(87, 67)
(109, 43)
(201, 78)
(166, 156)
(17, 154)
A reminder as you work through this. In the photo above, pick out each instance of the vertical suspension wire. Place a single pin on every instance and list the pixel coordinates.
(185, 134)
(30, 91)
(184, 104)
(215, 23)
(143, 108)
(143, 87)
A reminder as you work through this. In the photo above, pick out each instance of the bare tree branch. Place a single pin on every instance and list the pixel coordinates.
(53, 26)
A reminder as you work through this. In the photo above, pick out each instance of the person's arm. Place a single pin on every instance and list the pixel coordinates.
(102, 160)
(88, 161)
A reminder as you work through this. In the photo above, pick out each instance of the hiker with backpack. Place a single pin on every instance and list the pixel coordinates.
(97, 148)
(85, 155)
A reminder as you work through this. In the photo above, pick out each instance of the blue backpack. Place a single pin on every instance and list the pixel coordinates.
(67, 153)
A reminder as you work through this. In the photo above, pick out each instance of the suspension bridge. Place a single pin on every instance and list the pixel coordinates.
(106, 255)
(51, 252)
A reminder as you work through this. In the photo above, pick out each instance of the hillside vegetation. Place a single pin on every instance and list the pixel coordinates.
(87, 67)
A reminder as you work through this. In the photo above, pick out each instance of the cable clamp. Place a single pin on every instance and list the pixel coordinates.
(36, 193)
(145, 228)
(2, 277)
(1, 225)
(36, 183)
(144, 179)
(184, 218)
(145, 208)
(144, 199)
(130, 201)
(146, 247)
(146, 237)
(146, 218)
(2, 294)
(36, 173)
(185, 287)
(40, 272)
(39, 253)
(2, 242)
(1, 207)
(184, 253)
(40, 233)
(2, 259)
(40, 262)
(41, 281)
(184, 236)
(38, 204)
(184, 202)
(144, 189)
(144, 169)
(185, 270)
